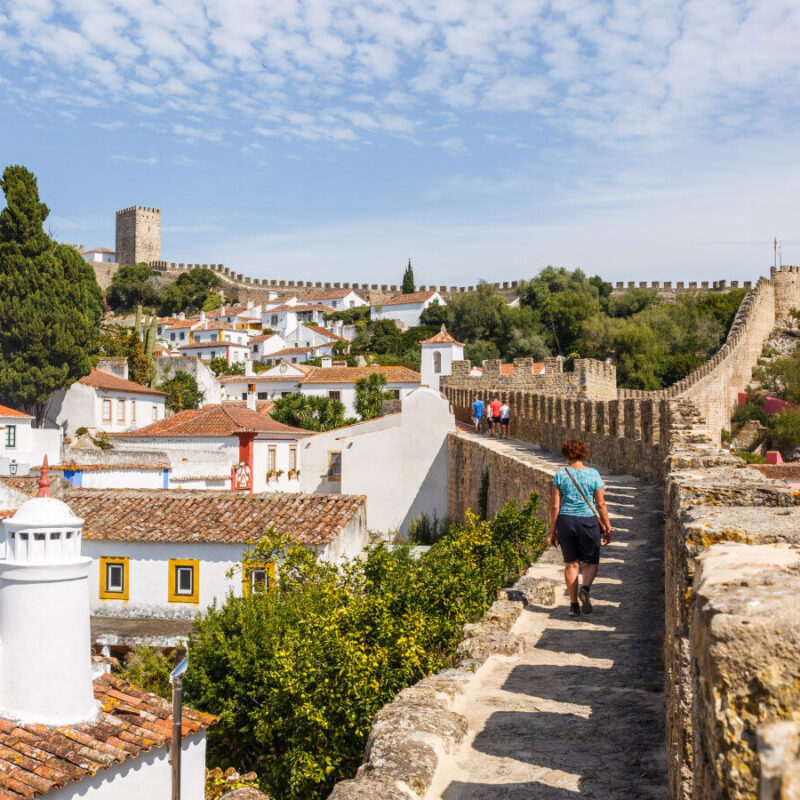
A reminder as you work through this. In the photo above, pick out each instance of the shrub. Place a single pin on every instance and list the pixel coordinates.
(725, 435)
(427, 530)
(751, 458)
(81, 431)
(297, 673)
(148, 669)
(785, 428)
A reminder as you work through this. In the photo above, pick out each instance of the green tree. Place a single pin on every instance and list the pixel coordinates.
(480, 351)
(632, 302)
(50, 303)
(198, 285)
(220, 366)
(370, 394)
(781, 377)
(116, 342)
(386, 337)
(785, 428)
(182, 392)
(148, 669)
(408, 280)
(296, 673)
(312, 412)
(134, 285)
(436, 315)
(212, 302)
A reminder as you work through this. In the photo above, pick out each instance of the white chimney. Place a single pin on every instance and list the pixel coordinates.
(251, 396)
(248, 367)
(326, 363)
(182, 315)
(250, 303)
(202, 316)
(222, 311)
(45, 665)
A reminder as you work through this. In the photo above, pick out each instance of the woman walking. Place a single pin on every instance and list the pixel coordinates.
(578, 523)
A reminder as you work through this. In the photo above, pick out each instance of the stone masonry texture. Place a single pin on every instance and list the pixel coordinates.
(138, 235)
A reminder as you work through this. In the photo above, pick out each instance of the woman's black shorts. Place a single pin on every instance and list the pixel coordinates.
(579, 538)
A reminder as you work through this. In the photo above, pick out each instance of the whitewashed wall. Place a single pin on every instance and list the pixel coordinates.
(398, 462)
(448, 352)
(122, 478)
(148, 776)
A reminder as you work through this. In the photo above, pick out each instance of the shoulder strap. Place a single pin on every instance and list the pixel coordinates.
(580, 491)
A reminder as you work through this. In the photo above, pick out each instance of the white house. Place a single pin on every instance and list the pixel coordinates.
(246, 317)
(438, 354)
(23, 446)
(398, 461)
(105, 401)
(284, 319)
(340, 382)
(406, 308)
(337, 299)
(272, 383)
(259, 454)
(99, 255)
(170, 554)
(232, 352)
(264, 345)
(63, 717)
(176, 331)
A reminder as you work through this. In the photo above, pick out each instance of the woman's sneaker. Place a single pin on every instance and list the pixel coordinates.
(586, 603)
(574, 610)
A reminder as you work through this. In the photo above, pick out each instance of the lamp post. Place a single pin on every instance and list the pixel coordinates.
(12, 467)
(176, 679)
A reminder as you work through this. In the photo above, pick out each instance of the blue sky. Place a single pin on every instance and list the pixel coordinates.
(334, 139)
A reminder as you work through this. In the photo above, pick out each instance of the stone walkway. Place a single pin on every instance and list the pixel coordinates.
(579, 713)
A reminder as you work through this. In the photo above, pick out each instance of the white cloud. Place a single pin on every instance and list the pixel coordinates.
(134, 159)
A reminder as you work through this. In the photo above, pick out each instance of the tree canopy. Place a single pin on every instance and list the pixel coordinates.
(182, 392)
(370, 394)
(408, 280)
(50, 303)
(312, 412)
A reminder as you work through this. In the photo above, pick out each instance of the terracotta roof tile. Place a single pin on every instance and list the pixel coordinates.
(443, 337)
(328, 294)
(155, 515)
(324, 331)
(262, 406)
(206, 345)
(406, 299)
(105, 380)
(294, 351)
(5, 411)
(784, 472)
(262, 337)
(212, 420)
(36, 759)
(304, 307)
(352, 374)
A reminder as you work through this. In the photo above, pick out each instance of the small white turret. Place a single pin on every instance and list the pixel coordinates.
(45, 665)
(438, 354)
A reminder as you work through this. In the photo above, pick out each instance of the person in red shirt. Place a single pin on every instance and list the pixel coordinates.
(494, 408)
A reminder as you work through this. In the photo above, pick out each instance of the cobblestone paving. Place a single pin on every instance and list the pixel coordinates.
(579, 713)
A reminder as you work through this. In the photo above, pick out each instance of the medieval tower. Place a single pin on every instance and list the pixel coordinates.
(138, 235)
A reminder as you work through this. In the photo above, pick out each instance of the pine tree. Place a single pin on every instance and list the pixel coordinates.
(408, 279)
(50, 303)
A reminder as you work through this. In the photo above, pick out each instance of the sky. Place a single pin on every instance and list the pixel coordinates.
(336, 139)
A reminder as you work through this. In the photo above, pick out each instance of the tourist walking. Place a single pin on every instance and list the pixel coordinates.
(477, 413)
(578, 523)
(494, 408)
(505, 418)
(489, 420)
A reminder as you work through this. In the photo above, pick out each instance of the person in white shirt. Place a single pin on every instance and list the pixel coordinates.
(505, 418)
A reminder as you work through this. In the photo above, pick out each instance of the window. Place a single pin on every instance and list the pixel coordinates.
(257, 577)
(272, 459)
(255, 348)
(11, 435)
(120, 411)
(113, 578)
(133, 411)
(213, 355)
(335, 394)
(183, 335)
(106, 410)
(172, 337)
(437, 362)
(292, 459)
(184, 580)
(244, 395)
(274, 320)
(155, 413)
(263, 396)
(334, 465)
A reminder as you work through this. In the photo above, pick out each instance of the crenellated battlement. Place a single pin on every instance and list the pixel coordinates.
(139, 208)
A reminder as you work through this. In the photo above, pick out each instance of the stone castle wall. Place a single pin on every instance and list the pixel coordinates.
(138, 235)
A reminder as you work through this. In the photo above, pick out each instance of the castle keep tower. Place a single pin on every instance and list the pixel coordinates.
(138, 235)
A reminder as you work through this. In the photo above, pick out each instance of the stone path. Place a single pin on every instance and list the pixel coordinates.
(580, 712)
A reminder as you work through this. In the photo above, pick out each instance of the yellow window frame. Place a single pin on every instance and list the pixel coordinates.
(174, 597)
(247, 570)
(105, 594)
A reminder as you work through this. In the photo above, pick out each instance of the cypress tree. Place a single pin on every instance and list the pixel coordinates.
(50, 303)
(408, 279)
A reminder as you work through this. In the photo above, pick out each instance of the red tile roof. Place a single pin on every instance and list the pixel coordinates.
(262, 337)
(212, 420)
(36, 759)
(105, 380)
(98, 250)
(352, 374)
(303, 307)
(215, 326)
(324, 332)
(5, 411)
(406, 299)
(155, 515)
(293, 351)
(443, 337)
(217, 344)
(262, 406)
(785, 472)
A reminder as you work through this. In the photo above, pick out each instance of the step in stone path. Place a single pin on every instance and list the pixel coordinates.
(580, 712)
